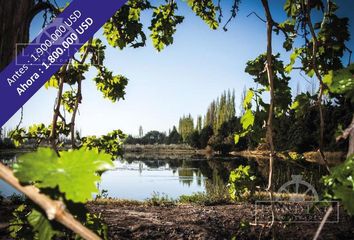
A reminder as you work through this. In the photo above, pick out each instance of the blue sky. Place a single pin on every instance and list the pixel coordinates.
(184, 78)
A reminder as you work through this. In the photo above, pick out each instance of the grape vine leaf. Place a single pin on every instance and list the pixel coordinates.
(163, 25)
(41, 225)
(112, 86)
(346, 195)
(293, 57)
(341, 182)
(18, 227)
(236, 138)
(206, 10)
(74, 172)
(247, 119)
(52, 82)
(248, 99)
(341, 81)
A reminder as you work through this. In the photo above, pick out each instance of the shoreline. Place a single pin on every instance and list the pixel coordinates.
(176, 151)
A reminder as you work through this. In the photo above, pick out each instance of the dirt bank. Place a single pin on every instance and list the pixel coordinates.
(139, 221)
(334, 158)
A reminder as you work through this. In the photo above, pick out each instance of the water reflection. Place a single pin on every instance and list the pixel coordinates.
(139, 178)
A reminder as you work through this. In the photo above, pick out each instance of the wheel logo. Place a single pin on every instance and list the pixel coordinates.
(297, 189)
(57, 23)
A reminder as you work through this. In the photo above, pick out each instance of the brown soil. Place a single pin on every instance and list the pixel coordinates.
(138, 221)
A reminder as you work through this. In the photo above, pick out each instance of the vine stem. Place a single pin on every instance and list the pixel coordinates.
(78, 96)
(322, 87)
(53, 134)
(269, 134)
(19, 124)
(269, 67)
(53, 209)
(348, 133)
(73, 117)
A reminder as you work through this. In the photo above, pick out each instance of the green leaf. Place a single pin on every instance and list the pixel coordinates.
(247, 119)
(302, 104)
(291, 8)
(206, 10)
(112, 87)
(343, 82)
(248, 98)
(241, 182)
(163, 25)
(293, 58)
(95, 222)
(328, 78)
(19, 228)
(69, 100)
(52, 82)
(346, 195)
(295, 105)
(236, 138)
(111, 143)
(74, 172)
(41, 226)
(311, 73)
(288, 44)
(125, 28)
(341, 182)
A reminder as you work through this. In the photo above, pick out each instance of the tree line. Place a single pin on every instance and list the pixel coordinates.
(296, 130)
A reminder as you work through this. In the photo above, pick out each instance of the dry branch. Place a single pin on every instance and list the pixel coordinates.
(324, 220)
(348, 133)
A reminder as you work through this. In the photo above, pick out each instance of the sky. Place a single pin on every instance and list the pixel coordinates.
(184, 78)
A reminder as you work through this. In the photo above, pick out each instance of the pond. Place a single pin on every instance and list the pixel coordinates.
(139, 179)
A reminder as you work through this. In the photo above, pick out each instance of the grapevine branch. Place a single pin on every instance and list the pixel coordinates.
(53, 209)
(19, 123)
(274, 24)
(78, 97)
(269, 134)
(349, 133)
(41, 6)
(254, 13)
(76, 108)
(270, 75)
(322, 86)
(350, 55)
(53, 134)
(234, 10)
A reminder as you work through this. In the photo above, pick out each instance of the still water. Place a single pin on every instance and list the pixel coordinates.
(139, 179)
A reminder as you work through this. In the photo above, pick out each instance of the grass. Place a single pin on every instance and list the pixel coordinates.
(160, 199)
(202, 198)
(214, 196)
